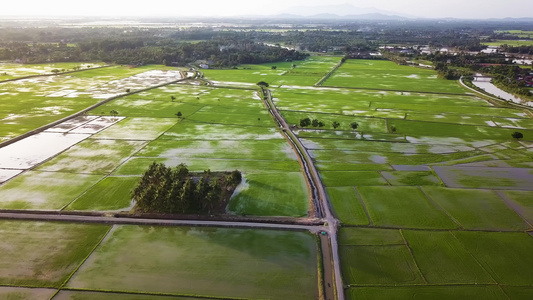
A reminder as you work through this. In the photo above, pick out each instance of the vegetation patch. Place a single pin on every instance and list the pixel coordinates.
(78, 295)
(112, 193)
(427, 292)
(443, 260)
(93, 156)
(347, 206)
(271, 194)
(44, 254)
(352, 178)
(411, 178)
(390, 264)
(404, 207)
(487, 248)
(44, 190)
(177, 191)
(383, 74)
(204, 262)
(476, 209)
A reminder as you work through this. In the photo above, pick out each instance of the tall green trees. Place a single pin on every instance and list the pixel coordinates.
(176, 190)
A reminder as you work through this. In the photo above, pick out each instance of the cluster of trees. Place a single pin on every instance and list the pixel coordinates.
(138, 46)
(517, 49)
(306, 122)
(177, 191)
(506, 75)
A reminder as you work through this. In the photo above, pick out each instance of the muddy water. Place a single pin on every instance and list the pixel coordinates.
(485, 84)
(37, 148)
(5, 175)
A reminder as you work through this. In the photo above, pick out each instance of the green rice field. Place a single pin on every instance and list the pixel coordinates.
(203, 262)
(428, 177)
(432, 193)
(80, 261)
(28, 104)
(386, 75)
(514, 43)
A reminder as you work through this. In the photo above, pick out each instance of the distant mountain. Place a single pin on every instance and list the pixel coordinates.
(342, 11)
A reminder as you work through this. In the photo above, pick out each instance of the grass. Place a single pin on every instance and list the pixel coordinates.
(11, 71)
(427, 292)
(417, 128)
(306, 73)
(390, 264)
(31, 103)
(347, 206)
(356, 157)
(487, 248)
(518, 293)
(188, 130)
(386, 75)
(404, 207)
(476, 209)
(138, 165)
(514, 43)
(44, 190)
(370, 237)
(411, 178)
(146, 129)
(267, 194)
(272, 149)
(365, 124)
(93, 156)
(352, 178)
(16, 293)
(79, 295)
(203, 262)
(44, 254)
(522, 201)
(443, 260)
(112, 193)
(485, 177)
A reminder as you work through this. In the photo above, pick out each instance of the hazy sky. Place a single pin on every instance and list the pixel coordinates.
(423, 8)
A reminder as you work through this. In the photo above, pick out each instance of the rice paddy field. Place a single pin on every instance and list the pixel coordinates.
(515, 43)
(432, 192)
(428, 187)
(82, 261)
(28, 104)
(297, 73)
(219, 129)
(386, 75)
(12, 70)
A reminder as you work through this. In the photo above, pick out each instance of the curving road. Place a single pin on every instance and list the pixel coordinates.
(330, 247)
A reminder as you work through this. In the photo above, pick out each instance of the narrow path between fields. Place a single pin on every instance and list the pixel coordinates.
(161, 222)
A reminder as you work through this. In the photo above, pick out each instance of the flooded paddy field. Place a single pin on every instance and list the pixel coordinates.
(224, 129)
(386, 75)
(13, 71)
(200, 262)
(218, 129)
(419, 169)
(430, 189)
(81, 260)
(297, 73)
(28, 104)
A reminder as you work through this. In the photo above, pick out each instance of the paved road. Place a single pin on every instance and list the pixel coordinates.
(52, 216)
(330, 257)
